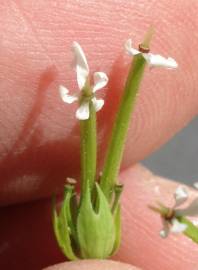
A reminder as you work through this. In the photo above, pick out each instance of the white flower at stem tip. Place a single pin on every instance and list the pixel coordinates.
(153, 60)
(82, 71)
(170, 221)
(174, 227)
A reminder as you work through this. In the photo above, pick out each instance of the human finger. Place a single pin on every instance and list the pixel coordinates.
(39, 134)
(92, 265)
(27, 229)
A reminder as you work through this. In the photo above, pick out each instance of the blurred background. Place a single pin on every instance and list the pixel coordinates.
(178, 159)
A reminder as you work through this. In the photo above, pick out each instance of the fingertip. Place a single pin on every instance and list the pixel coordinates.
(141, 242)
(92, 265)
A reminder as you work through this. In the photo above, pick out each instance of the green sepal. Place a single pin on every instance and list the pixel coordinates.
(116, 209)
(117, 222)
(96, 230)
(191, 231)
(62, 229)
(68, 210)
(117, 193)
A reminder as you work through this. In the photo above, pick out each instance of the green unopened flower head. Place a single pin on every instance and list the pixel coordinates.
(86, 229)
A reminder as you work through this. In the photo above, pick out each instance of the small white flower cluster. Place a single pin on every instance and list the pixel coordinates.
(173, 225)
(100, 78)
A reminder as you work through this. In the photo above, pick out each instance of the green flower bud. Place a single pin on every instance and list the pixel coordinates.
(94, 232)
(95, 227)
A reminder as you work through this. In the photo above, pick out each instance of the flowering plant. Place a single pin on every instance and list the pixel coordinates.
(174, 219)
(88, 225)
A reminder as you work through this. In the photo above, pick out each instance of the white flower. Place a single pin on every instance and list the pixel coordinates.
(170, 222)
(195, 185)
(82, 70)
(174, 226)
(180, 195)
(153, 60)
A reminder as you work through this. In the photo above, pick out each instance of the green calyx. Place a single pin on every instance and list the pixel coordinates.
(87, 229)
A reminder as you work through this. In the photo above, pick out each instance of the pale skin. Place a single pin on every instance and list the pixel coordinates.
(40, 137)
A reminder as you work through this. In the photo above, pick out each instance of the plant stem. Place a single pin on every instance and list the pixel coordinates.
(88, 149)
(116, 147)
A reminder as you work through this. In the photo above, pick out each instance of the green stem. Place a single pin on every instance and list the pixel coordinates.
(88, 149)
(116, 147)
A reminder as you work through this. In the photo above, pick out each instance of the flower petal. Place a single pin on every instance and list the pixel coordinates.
(191, 210)
(82, 68)
(100, 80)
(165, 231)
(180, 195)
(195, 185)
(156, 60)
(82, 112)
(98, 103)
(177, 227)
(129, 49)
(64, 95)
